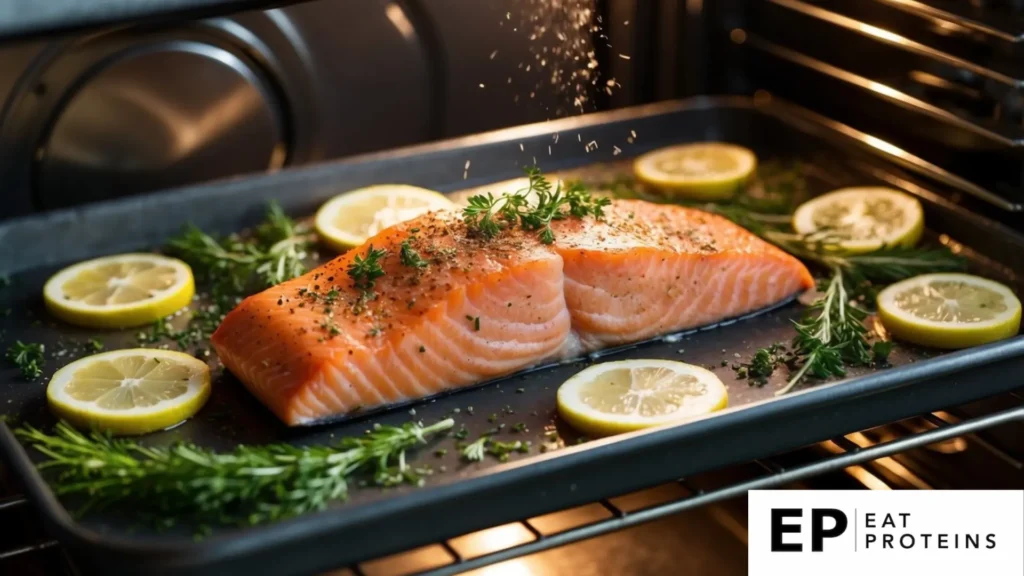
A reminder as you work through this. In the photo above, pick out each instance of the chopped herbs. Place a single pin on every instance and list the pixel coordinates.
(28, 358)
(462, 432)
(485, 445)
(94, 345)
(410, 257)
(440, 452)
(488, 215)
(519, 427)
(762, 365)
(880, 351)
(248, 485)
(475, 451)
(475, 321)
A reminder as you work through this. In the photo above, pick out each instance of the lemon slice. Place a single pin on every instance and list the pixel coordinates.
(706, 171)
(615, 397)
(130, 391)
(349, 219)
(120, 291)
(949, 310)
(863, 219)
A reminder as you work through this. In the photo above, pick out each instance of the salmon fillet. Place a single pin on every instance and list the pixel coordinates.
(318, 347)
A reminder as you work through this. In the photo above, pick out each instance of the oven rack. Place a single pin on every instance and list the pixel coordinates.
(966, 73)
(851, 452)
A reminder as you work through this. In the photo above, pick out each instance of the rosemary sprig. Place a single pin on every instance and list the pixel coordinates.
(249, 485)
(28, 358)
(487, 215)
(830, 335)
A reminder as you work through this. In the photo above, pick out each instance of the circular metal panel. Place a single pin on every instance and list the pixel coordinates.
(158, 117)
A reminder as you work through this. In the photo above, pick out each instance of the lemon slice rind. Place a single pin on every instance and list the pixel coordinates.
(340, 221)
(708, 186)
(904, 325)
(159, 304)
(590, 420)
(136, 420)
(906, 234)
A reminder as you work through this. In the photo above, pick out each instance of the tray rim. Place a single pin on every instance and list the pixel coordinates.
(223, 547)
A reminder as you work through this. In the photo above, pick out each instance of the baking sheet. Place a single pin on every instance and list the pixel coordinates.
(464, 496)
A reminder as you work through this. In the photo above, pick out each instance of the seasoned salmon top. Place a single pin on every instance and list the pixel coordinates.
(431, 304)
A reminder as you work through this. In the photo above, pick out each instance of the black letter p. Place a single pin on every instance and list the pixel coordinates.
(818, 532)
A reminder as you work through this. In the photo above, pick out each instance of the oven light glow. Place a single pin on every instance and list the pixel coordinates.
(397, 16)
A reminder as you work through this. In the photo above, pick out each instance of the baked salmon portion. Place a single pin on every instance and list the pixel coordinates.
(428, 305)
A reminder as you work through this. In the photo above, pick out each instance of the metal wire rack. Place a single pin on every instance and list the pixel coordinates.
(871, 457)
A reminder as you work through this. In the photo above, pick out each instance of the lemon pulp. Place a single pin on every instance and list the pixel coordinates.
(949, 310)
(119, 291)
(616, 397)
(862, 219)
(130, 391)
(710, 170)
(349, 219)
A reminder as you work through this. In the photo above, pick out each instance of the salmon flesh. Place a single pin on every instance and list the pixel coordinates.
(325, 345)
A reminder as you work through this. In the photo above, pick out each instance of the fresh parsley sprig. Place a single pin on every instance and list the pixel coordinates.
(487, 215)
(248, 485)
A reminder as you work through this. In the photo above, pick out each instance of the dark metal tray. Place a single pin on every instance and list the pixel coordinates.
(467, 497)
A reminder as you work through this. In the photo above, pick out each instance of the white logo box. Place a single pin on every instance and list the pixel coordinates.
(954, 532)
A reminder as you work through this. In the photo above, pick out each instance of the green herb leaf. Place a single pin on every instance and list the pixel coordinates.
(364, 270)
(28, 358)
(410, 257)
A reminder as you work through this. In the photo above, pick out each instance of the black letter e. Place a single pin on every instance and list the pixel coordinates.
(779, 528)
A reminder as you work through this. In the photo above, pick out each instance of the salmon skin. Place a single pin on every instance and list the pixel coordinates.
(468, 309)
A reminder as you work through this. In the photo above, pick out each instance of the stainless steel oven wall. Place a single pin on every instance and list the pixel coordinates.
(136, 109)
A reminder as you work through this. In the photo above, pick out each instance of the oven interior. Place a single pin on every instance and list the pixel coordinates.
(104, 113)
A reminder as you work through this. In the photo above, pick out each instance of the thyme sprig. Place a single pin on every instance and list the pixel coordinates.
(248, 485)
(487, 215)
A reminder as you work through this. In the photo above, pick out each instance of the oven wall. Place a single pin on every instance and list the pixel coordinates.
(121, 112)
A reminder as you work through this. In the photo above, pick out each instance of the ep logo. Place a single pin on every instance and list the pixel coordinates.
(824, 523)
